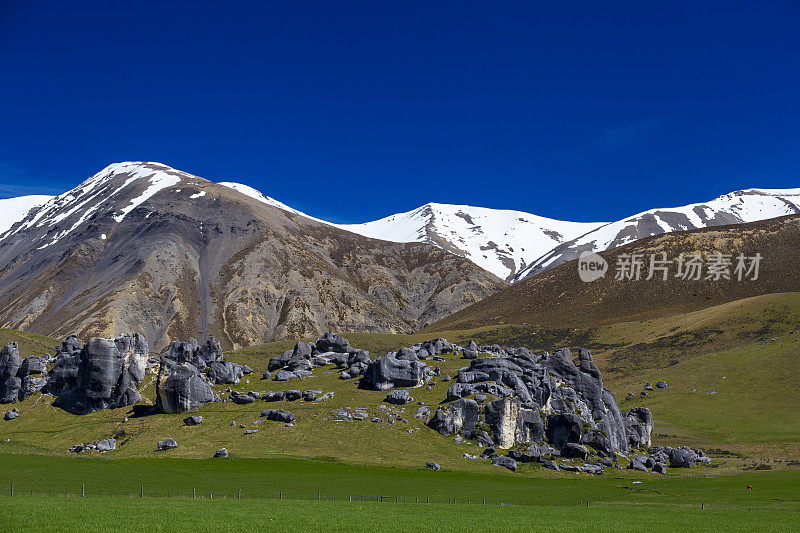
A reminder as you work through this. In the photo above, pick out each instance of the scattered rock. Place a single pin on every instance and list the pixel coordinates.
(193, 420)
(552, 465)
(278, 415)
(273, 396)
(661, 385)
(222, 452)
(167, 444)
(505, 462)
(242, 399)
(106, 445)
(433, 466)
(11, 415)
(311, 395)
(398, 397)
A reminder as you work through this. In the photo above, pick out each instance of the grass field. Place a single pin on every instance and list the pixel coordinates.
(54, 514)
(750, 425)
(48, 489)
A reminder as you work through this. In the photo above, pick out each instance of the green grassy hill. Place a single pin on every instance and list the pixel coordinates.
(752, 413)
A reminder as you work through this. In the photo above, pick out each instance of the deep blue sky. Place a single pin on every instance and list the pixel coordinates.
(355, 110)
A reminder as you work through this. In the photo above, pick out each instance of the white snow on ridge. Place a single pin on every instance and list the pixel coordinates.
(12, 210)
(158, 180)
(500, 241)
(738, 207)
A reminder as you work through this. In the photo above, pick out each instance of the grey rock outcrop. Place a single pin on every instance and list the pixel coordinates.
(10, 363)
(639, 427)
(221, 453)
(225, 372)
(193, 420)
(107, 373)
(388, 371)
(181, 387)
(11, 415)
(460, 416)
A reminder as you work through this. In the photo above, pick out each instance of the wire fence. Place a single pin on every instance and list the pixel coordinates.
(617, 493)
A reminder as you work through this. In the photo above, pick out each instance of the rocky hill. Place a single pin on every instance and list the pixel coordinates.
(144, 247)
(558, 297)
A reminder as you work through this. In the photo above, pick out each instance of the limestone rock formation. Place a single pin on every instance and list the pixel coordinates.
(104, 374)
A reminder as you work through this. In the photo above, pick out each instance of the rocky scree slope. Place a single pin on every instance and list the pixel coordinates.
(144, 247)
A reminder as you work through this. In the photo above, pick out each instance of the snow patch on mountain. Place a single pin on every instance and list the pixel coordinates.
(12, 210)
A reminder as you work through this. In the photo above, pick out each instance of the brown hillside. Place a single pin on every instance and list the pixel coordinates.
(558, 297)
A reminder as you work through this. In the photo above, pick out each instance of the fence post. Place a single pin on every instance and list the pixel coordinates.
(83, 491)
(141, 492)
(240, 494)
(194, 493)
(12, 490)
(317, 496)
(280, 496)
(484, 500)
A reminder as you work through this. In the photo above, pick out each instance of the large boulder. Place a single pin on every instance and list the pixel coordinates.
(639, 427)
(505, 462)
(109, 372)
(388, 371)
(106, 445)
(683, 457)
(461, 416)
(181, 387)
(573, 450)
(10, 363)
(331, 342)
(225, 372)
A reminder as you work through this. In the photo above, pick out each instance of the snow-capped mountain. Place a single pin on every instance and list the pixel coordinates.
(12, 210)
(497, 240)
(512, 245)
(748, 205)
(144, 247)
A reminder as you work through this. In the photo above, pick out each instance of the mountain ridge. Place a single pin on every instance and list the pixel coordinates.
(143, 247)
(515, 245)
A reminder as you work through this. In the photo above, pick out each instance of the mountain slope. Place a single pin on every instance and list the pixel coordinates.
(144, 247)
(12, 210)
(558, 298)
(738, 207)
(499, 241)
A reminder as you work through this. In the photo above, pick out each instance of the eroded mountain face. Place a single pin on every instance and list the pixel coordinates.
(143, 247)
